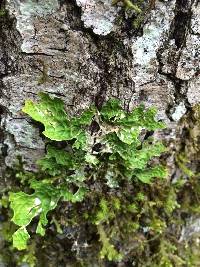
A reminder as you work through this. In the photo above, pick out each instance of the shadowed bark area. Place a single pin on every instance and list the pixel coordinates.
(85, 52)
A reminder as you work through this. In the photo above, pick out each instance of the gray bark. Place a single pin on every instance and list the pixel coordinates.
(77, 50)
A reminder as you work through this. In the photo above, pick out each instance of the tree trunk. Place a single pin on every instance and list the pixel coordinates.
(87, 51)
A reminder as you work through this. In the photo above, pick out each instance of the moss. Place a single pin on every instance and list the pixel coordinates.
(191, 123)
(129, 5)
(136, 10)
(134, 223)
(2, 12)
(108, 250)
(134, 226)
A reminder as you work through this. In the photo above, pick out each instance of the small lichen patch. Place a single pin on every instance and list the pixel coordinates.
(24, 133)
(38, 8)
(193, 93)
(195, 24)
(180, 110)
(145, 48)
(26, 13)
(98, 15)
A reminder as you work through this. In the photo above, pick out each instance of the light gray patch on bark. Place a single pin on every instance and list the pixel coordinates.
(180, 110)
(191, 229)
(98, 15)
(189, 62)
(28, 156)
(193, 93)
(195, 22)
(145, 47)
(25, 134)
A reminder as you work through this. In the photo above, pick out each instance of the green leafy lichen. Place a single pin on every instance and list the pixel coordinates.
(20, 238)
(116, 152)
(119, 218)
(26, 207)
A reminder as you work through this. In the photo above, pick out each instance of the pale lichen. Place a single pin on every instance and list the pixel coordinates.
(193, 93)
(180, 110)
(98, 15)
(145, 48)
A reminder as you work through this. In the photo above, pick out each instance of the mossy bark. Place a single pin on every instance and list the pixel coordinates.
(86, 52)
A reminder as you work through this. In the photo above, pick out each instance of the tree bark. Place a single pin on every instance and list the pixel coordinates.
(86, 51)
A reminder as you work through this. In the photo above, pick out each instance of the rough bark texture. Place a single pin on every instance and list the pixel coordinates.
(86, 51)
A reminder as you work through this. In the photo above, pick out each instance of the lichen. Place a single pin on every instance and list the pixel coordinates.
(98, 15)
(180, 110)
(145, 47)
(140, 224)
